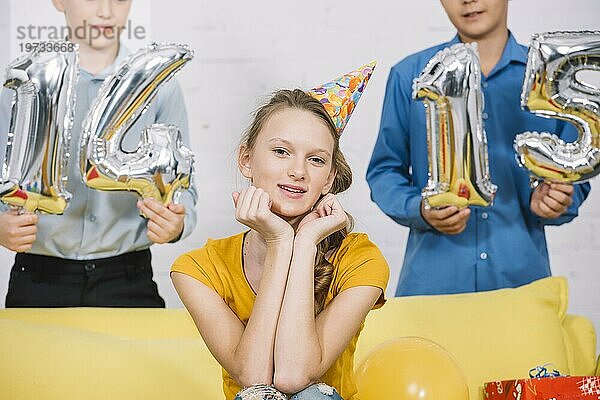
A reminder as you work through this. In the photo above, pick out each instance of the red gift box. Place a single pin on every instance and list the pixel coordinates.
(556, 388)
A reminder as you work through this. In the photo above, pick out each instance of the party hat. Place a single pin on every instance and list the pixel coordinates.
(339, 97)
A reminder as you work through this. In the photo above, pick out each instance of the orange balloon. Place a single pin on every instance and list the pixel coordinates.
(410, 368)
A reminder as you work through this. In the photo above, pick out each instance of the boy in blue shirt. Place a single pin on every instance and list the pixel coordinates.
(473, 249)
(97, 252)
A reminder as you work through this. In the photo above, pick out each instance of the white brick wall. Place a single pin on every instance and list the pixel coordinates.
(246, 49)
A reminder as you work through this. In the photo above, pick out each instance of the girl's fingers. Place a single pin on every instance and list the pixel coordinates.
(255, 202)
(246, 200)
(335, 206)
(265, 203)
(324, 206)
(239, 207)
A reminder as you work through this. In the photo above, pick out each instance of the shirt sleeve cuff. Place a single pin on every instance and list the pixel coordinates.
(414, 213)
(189, 221)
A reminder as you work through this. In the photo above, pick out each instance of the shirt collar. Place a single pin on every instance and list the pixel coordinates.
(121, 56)
(512, 52)
(455, 40)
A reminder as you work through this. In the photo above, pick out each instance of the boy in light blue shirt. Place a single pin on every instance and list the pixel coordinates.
(97, 252)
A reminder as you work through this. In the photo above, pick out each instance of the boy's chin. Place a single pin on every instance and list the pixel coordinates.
(102, 45)
(476, 32)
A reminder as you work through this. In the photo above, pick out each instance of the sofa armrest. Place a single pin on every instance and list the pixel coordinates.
(580, 343)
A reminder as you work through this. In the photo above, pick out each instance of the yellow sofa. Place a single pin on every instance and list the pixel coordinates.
(84, 353)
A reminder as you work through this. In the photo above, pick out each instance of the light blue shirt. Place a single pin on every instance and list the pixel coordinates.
(98, 224)
(503, 245)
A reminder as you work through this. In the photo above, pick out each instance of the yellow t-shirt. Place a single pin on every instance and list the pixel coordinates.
(358, 262)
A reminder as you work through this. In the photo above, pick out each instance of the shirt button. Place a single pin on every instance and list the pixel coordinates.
(484, 84)
(484, 215)
(483, 255)
(93, 218)
(484, 115)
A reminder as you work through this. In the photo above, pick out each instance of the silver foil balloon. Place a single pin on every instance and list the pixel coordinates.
(161, 167)
(553, 89)
(34, 174)
(450, 86)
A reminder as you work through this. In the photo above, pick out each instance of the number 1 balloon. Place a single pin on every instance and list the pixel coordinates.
(161, 166)
(553, 89)
(34, 174)
(450, 86)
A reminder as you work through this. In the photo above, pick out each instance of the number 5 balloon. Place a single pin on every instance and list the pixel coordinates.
(161, 166)
(552, 89)
(450, 86)
(34, 174)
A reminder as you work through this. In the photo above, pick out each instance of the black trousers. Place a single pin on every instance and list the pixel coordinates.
(120, 281)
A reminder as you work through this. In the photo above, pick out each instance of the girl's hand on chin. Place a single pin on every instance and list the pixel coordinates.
(327, 217)
(253, 209)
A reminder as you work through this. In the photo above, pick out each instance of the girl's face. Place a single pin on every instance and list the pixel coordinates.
(291, 161)
(95, 23)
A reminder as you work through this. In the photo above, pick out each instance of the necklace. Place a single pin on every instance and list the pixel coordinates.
(245, 245)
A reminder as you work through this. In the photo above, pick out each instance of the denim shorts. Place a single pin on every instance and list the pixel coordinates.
(318, 391)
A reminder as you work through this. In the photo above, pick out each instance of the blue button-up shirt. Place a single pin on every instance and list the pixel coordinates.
(98, 224)
(503, 245)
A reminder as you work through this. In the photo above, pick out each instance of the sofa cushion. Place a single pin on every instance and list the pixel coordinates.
(127, 322)
(59, 363)
(493, 335)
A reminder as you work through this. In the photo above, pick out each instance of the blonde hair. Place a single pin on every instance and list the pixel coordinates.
(301, 100)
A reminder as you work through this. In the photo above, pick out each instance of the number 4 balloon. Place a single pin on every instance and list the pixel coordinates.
(161, 167)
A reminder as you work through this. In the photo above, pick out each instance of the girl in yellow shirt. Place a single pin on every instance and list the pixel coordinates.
(281, 305)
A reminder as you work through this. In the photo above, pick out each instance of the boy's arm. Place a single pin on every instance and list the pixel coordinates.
(389, 174)
(172, 111)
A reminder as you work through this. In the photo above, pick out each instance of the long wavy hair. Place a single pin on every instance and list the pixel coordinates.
(299, 99)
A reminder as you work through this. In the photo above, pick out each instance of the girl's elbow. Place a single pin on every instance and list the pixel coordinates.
(291, 381)
(252, 376)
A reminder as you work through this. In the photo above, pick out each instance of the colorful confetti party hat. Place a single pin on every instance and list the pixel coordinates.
(339, 97)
